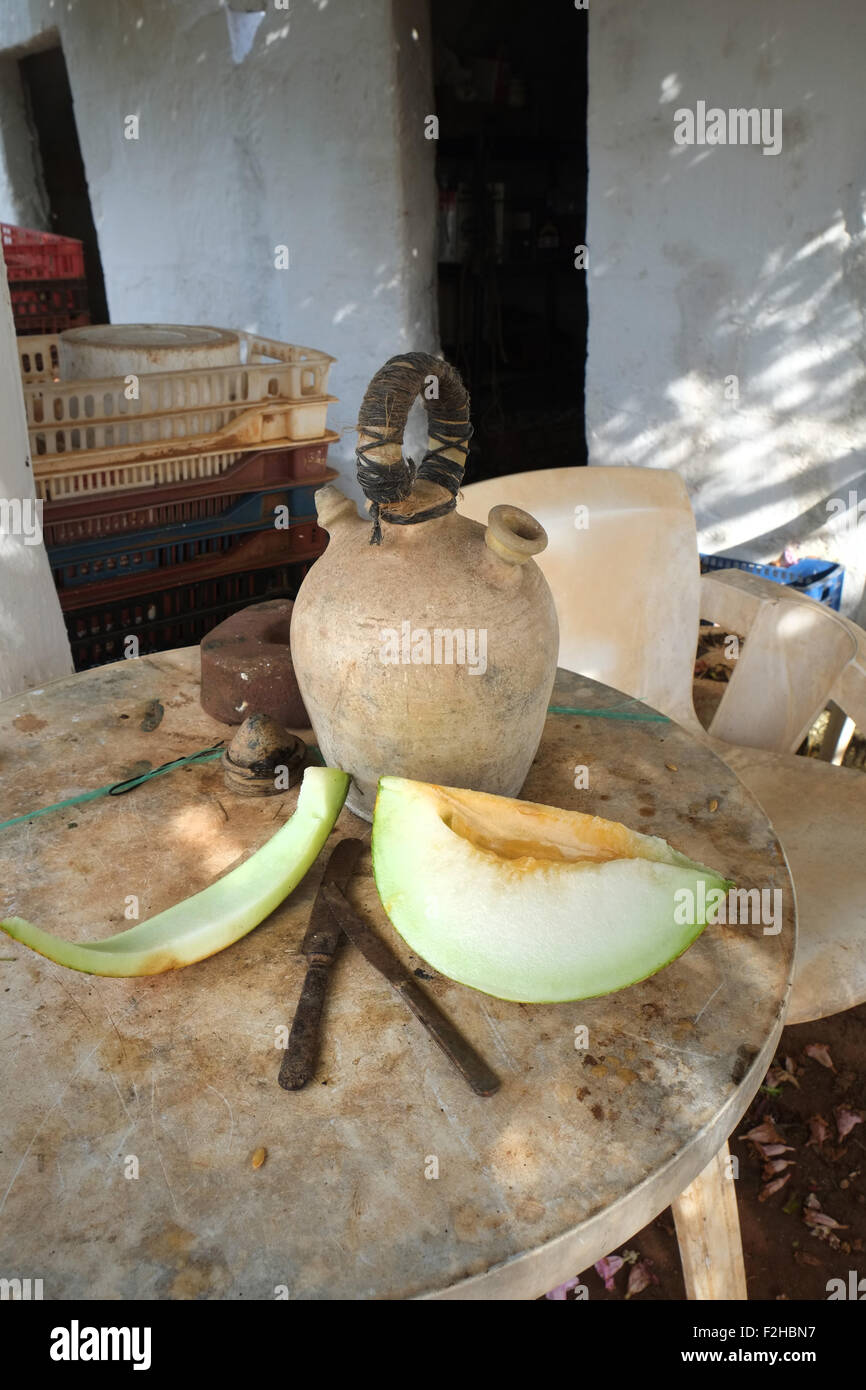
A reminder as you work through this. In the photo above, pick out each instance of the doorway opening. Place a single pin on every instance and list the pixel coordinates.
(512, 172)
(49, 99)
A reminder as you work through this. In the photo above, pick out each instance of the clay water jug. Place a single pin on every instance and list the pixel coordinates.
(424, 644)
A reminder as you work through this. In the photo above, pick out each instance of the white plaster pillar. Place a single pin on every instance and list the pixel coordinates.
(33, 644)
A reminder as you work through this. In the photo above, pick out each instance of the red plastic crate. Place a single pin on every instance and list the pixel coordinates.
(50, 323)
(48, 306)
(111, 513)
(306, 538)
(35, 297)
(180, 616)
(32, 255)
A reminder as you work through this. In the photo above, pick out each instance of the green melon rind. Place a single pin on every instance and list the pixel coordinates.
(220, 914)
(600, 927)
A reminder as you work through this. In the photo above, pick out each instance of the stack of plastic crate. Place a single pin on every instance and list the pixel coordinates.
(167, 507)
(46, 280)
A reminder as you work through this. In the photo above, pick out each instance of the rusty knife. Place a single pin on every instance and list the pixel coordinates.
(471, 1067)
(319, 946)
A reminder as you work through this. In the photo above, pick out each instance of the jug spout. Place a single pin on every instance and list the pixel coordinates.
(514, 535)
(334, 508)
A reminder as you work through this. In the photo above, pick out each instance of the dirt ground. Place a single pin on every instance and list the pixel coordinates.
(790, 1250)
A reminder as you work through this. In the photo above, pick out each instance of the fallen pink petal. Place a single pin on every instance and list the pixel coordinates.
(819, 1052)
(846, 1120)
(777, 1076)
(764, 1133)
(607, 1268)
(771, 1187)
(640, 1277)
(560, 1293)
(819, 1130)
(773, 1150)
(778, 1165)
(820, 1218)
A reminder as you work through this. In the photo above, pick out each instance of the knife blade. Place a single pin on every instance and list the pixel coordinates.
(319, 946)
(470, 1065)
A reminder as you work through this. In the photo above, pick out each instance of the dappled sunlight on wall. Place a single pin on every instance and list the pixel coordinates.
(727, 289)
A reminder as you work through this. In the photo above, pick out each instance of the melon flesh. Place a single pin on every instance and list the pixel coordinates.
(528, 902)
(221, 913)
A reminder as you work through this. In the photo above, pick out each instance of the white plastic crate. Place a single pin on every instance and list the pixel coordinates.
(204, 430)
(75, 476)
(272, 371)
(37, 355)
(80, 470)
(307, 368)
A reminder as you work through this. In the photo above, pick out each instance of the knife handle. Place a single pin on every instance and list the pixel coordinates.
(470, 1065)
(299, 1058)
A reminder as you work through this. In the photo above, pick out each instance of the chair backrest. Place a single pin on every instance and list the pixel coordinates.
(622, 563)
(797, 653)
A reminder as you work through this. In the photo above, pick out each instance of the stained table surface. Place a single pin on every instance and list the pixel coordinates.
(131, 1108)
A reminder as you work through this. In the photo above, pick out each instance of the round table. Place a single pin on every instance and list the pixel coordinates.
(132, 1107)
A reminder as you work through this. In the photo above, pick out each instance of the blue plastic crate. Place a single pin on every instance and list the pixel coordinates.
(818, 579)
(304, 501)
(95, 559)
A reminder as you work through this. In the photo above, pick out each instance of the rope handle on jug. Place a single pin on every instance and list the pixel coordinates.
(386, 477)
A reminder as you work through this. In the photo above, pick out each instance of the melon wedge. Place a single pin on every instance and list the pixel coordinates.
(530, 902)
(221, 913)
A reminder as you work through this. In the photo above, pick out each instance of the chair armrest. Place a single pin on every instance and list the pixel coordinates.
(794, 658)
(733, 596)
(849, 690)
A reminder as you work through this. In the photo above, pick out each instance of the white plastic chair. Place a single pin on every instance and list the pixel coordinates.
(798, 657)
(622, 563)
(624, 572)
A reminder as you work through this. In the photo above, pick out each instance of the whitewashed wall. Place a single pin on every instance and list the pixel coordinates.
(717, 261)
(313, 140)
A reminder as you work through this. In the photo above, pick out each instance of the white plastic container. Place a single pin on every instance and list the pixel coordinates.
(103, 350)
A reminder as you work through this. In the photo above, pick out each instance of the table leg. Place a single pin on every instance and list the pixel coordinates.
(708, 1232)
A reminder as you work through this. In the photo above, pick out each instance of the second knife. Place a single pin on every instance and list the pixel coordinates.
(470, 1065)
(319, 946)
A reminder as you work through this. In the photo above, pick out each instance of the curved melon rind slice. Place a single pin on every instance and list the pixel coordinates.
(530, 903)
(221, 913)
